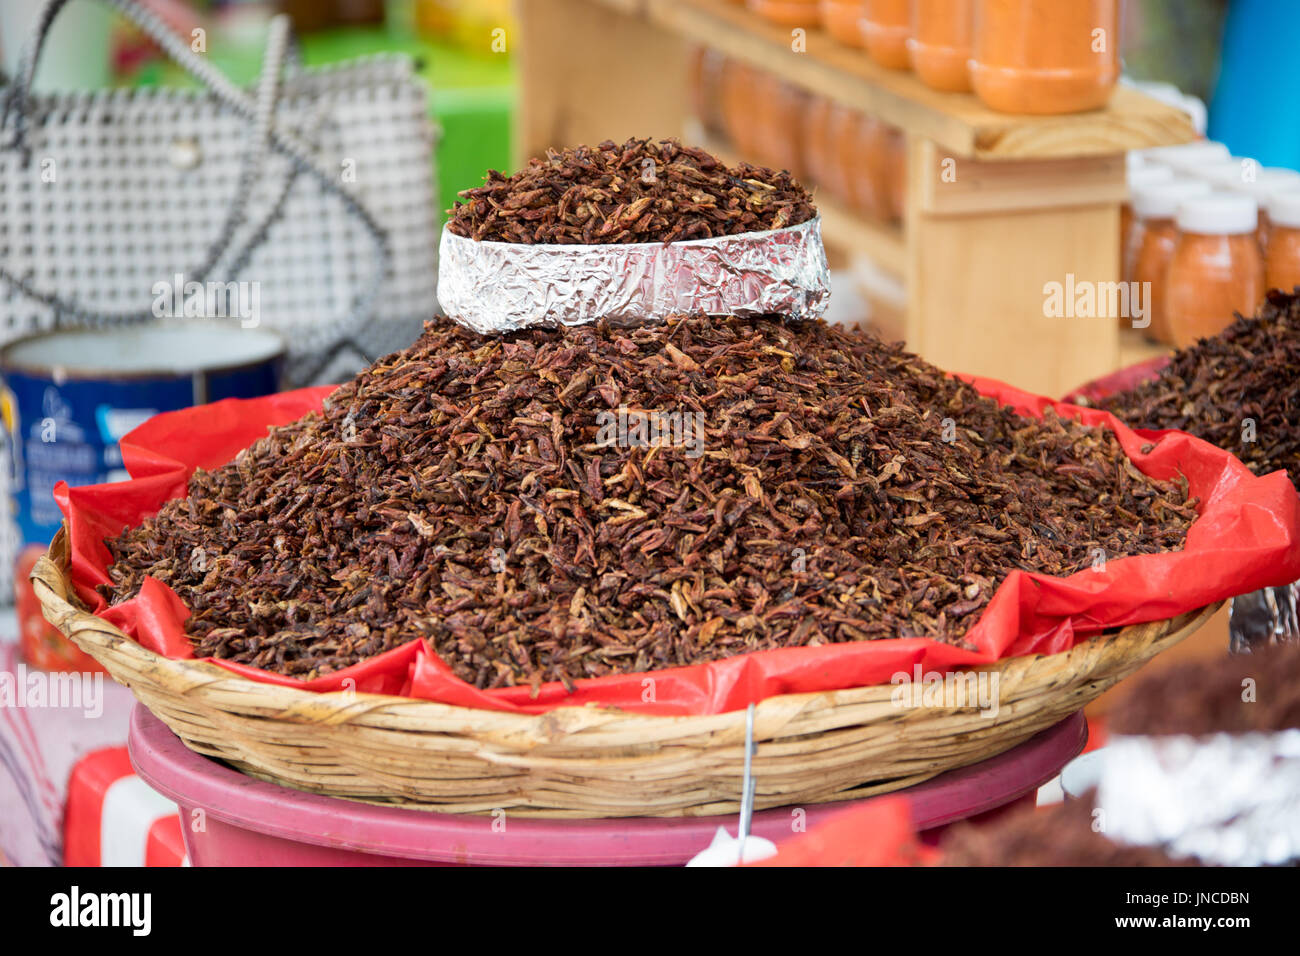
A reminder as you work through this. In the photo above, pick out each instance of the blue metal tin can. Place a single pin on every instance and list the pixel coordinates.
(69, 396)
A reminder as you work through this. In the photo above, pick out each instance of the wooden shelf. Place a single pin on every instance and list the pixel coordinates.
(636, 7)
(958, 122)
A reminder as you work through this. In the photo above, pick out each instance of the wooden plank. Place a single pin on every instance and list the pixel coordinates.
(976, 288)
(958, 122)
(920, 154)
(959, 186)
(590, 73)
(976, 299)
(632, 7)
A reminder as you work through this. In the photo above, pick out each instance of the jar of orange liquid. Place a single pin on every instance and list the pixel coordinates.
(840, 18)
(788, 13)
(1266, 182)
(1129, 225)
(885, 26)
(861, 145)
(739, 107)
(1216, 268)
(895, 173)
(1224, 173)
(842, 151)
(1282, 260)
(872, 188)
(782, 145)
(1045, 56)
(763, 94)
(706, 66)
(1186, 157)
(1154, 209)
(940, 44)
(819, 163)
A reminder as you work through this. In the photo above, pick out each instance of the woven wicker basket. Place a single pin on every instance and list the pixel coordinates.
(588, 761)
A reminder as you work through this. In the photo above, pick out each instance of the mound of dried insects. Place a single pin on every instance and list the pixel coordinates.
(1239, 390)
(1198, 697)
(560, 504)
(641, 191)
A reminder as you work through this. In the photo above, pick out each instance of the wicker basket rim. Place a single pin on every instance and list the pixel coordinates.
(52, 586)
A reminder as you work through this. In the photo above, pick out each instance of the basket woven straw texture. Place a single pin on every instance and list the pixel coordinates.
(587, 761)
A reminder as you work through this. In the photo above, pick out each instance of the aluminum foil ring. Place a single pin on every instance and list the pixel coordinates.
(501, 286)
(1226, 799)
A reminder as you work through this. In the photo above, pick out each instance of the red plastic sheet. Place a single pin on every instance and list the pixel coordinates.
(1247, 537)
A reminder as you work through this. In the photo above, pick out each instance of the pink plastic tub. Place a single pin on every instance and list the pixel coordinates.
(230, 819)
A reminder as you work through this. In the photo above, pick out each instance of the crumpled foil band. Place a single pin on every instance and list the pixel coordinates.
(500, 286)
(1228, 799)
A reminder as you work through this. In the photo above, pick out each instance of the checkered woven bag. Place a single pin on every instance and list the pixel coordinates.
(318, 186)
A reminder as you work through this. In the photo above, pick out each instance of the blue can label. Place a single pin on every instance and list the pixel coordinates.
(69, 431)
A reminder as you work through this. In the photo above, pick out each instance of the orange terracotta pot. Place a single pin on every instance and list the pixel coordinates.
(940, 44)
(788, 13)
(885, 27)
(1045, 56)
(842, 18)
